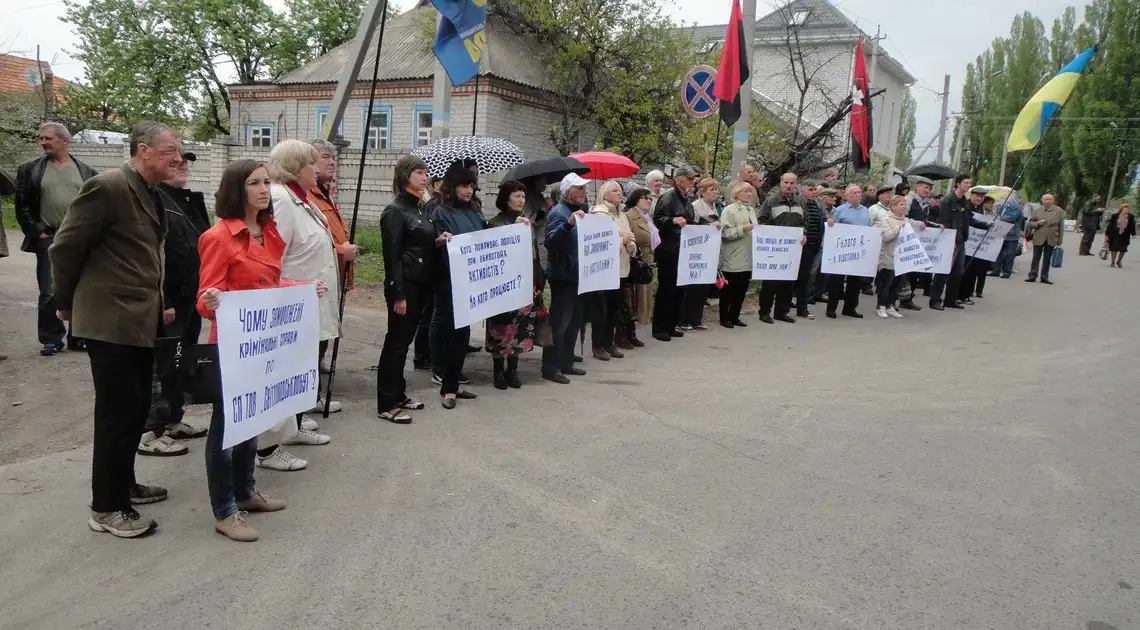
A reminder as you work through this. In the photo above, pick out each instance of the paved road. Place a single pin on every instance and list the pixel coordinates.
(959, 470)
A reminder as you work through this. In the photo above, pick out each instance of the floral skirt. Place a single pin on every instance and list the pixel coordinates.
(511, 334)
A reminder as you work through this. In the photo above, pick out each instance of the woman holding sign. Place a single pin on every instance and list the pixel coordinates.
(886, 282)
(609, 314)
(639, 213)
(241, 252)
(739, 218)
(512, 333)
(409, 243)
(457, 213)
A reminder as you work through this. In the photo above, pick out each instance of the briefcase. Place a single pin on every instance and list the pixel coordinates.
(1058, 257)
(199, 373)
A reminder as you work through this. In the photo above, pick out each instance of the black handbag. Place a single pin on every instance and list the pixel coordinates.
(199, 373)
(640, 272)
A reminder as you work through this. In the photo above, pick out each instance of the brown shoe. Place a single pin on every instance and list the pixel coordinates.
(261, 503)
(235, 528)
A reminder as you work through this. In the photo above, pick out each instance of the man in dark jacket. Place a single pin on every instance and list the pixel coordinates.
(1091, 217)
(186, 219)
(956, 215)
(919, 206)
(786, 209)
(815, 217)
(45, 188)
(674, 211)
(565, 304)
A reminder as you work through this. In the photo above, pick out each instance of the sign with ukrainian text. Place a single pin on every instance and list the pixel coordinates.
(267, 354)
(700, 255)
(492, 272)
(776, 252)
(851, 250)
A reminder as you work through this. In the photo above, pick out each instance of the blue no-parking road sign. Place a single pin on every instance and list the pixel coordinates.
(697, 92)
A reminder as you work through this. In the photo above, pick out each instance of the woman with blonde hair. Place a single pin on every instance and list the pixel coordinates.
(737, 222)
(886, 282)
(309, 256)
(655, 182)
(693, 304)
(609, 314)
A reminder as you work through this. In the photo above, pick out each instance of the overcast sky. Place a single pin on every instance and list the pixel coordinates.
(928, 43)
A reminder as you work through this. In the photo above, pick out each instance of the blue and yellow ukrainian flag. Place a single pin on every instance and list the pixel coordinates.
(1035, 116)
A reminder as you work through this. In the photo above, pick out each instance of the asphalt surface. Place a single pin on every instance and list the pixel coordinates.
(950, 470)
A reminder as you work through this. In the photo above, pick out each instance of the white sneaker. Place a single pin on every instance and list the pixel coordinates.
(881, 312)
(320, 408)
(306, 437)
(309, 424)
(280, 460)
(894, 312)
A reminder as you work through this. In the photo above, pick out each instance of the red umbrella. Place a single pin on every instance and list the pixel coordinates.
(606, 165)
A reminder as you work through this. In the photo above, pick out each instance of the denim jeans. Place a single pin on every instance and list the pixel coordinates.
(229, 472)
(441, 321)
(51, 329)
(1008, 254)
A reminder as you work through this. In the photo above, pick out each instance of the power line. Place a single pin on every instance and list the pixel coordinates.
(36, 6)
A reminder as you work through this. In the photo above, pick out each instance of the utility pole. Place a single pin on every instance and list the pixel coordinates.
(1115, 168)
(369, 19)
(740, 129)
(942, 124)
(957, 161)
(1004, 153)
(874, 58)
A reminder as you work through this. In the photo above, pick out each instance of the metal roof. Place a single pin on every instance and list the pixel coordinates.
(407, 54)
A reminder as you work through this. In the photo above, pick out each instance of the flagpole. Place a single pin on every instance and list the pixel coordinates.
(355, 205)
(716, 149)
(1044, 133)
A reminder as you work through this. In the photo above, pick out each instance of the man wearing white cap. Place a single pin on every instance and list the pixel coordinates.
(565, 305)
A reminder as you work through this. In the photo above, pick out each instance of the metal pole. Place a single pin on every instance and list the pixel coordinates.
(716, 150)
(1004, 154)
(942, 124)
(356, 204)
(440, 100)
(1115, 168)
(373, 14)
(874, 60)
(740, 129)
(956, 163)
(475, 106)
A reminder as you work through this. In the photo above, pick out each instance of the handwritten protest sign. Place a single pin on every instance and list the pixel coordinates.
(851, 250)
(939, 246)
(986, 244)
(910, 253)
(598, 250)
(267, 353)
(776, 252)
(492, 272)
(700, 255)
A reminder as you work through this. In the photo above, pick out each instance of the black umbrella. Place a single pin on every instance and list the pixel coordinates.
(551, 169)
(932, 171)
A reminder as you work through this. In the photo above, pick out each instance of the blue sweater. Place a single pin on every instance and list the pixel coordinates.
(1010, 212)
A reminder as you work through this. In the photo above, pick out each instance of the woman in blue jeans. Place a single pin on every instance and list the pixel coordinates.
(241, 252)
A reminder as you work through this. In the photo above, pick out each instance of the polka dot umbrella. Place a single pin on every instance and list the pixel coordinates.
(490, 154)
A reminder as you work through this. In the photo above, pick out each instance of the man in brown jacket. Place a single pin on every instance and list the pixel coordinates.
(107, 267)
(1048, 225)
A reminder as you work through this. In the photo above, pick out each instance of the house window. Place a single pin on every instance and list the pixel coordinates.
(322, 123)
(380, 129)
(422, 127)
(261, 135)
(799, 17)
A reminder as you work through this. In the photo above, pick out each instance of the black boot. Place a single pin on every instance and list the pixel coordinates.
(500, 375)
(512, 373)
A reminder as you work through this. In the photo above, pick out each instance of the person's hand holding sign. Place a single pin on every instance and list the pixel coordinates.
(321, 288)
(212, 298)
(400, 307)
(523, 220)
(680, 221)
(575, 216)
(443, 238)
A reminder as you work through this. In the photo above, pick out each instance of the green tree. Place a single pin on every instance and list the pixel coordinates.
(616, 63)
(905, 148)
(313, 28)
(20, 114)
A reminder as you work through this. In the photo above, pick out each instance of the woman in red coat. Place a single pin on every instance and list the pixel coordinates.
(241, 252)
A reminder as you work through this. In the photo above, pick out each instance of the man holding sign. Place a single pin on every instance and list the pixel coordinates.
(840, 263)
(565, 304)
(784, 209)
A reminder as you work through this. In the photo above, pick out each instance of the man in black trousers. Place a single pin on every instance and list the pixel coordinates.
(674, 211)
(107, 269)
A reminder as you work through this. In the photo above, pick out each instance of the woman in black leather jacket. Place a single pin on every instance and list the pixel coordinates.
(409, 239)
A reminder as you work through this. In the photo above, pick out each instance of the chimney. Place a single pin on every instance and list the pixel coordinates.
(48, 89)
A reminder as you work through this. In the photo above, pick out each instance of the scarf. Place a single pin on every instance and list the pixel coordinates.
(654, 235)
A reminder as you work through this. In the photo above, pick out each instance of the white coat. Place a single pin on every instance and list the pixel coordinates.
(310, 253)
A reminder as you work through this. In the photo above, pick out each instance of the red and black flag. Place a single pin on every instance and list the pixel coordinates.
(733, 70)
(861, 114)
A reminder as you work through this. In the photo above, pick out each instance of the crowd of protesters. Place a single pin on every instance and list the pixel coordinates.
(129, 268)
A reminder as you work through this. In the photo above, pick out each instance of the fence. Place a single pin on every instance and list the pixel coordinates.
(206, 172)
